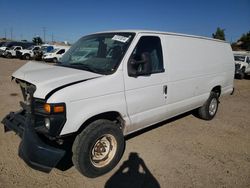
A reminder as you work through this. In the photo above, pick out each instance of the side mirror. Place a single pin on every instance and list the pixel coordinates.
(141, 67)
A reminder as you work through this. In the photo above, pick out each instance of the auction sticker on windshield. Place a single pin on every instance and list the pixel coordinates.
(120, 38)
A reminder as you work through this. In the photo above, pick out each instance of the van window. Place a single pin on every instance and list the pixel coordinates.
(151, 45)
(18, 48)
(61, 51)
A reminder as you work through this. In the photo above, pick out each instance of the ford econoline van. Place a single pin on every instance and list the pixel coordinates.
(111, 84)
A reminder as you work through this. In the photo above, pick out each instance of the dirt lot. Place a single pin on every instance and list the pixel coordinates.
(183, 152)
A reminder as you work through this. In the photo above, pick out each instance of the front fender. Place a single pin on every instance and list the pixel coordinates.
(79, 112)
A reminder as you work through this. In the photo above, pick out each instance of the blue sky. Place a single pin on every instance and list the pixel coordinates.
(69, 20)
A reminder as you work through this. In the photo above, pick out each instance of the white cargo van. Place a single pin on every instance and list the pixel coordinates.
(55, 54)
(128, 80)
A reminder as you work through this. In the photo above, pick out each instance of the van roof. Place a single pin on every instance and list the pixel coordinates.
(160, 32)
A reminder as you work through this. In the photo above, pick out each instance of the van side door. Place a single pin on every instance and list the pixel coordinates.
(146, 93)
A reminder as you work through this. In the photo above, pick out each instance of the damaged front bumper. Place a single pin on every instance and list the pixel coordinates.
(32, 149)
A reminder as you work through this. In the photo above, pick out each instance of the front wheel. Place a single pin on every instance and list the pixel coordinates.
(98, 148)
(209, 109)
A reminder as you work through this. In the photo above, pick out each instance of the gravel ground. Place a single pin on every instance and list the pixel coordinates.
(182, 152)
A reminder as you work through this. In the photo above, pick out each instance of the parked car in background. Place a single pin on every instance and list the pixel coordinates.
(28, 53)
(242, 64)
(4, 47)
(1, 43)
(11, 52)
(55, 54)
(8, 45)
(45, 48)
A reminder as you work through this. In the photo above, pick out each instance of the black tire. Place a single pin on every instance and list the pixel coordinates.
(242, 74)
(26, 57)
(8, 55)
(89, 141)
(206, 111)
(54, 60)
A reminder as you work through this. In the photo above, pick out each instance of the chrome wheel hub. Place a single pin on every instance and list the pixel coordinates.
(103, 151)
(213, 106)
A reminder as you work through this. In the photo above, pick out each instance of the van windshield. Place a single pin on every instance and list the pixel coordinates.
(54, 50)
(31, 47)
(99, 53)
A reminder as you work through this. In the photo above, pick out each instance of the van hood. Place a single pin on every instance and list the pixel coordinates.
(47, 77)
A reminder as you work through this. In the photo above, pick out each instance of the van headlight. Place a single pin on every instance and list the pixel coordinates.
(47, 123)
(49, 117)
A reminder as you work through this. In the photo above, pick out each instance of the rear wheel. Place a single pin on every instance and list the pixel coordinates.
(209, 109)
(98, 148)
(54, 60)
(9, 55)
(242, 74)
(26, 56)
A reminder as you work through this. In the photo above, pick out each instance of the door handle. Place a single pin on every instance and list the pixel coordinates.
(165, 90)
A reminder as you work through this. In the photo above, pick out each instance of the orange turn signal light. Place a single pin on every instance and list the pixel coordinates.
(58, 109)
(55, 109)
(47, 108)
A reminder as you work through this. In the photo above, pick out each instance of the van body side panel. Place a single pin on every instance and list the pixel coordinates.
(193, 67)
(196, 66)
(87, 99)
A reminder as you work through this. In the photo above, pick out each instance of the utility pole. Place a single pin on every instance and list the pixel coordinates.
(5, 34)
(11, 33)
(52, 37)
(44, 34)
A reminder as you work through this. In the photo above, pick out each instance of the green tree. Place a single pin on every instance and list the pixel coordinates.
(235, 46)
(37, 40)
(245, 41)
(219, 34)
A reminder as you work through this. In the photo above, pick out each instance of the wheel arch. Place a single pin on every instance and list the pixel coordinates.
(217, 89)
(109, 115)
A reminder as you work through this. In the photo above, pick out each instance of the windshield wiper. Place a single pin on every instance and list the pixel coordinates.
(84, 67)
